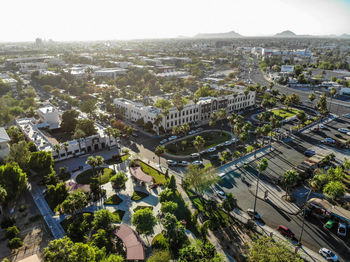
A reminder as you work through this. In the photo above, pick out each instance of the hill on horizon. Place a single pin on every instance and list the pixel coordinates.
(286, 33)
(230, 34)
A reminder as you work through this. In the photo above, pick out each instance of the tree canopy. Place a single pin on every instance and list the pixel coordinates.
(12, 179)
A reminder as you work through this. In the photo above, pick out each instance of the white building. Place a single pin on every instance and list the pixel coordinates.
(8, 80)
(50, 115)
(34, 66)
(42, 142)
(287, 68)
(110, 72)
(4, 146)
(199, 112)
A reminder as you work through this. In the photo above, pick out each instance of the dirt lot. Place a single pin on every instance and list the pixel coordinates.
(33, 230)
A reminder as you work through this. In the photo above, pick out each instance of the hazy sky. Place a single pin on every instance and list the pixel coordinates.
(129, 19)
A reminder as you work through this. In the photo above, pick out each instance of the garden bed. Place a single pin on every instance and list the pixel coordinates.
(138, 195)
(113, 200)
(119, 214)
(212, 138)
(116, 159)
(158, 176)
(285, 113)
(143, 207)
(86, 176)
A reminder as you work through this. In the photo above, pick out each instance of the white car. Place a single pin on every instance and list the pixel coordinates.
(343, 130)
(228, 143)
(347, 115)
(184, 163)
(329, 255)
(192, 132)
(171, 162)
(163, 141)
(197, 163)
(211, 150)
(328, 140)
(342, 229)
(172, 138)
(322, 127)
(220, 193)
(194, 155)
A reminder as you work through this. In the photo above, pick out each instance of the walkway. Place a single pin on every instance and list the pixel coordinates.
(53, 224)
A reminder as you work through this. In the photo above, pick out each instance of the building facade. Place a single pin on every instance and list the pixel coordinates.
(4, 143)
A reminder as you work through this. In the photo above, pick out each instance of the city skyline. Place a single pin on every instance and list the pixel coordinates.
(109, 20)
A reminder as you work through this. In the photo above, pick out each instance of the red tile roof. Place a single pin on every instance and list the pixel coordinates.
(134, 248)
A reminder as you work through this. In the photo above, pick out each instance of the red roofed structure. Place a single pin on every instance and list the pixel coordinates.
(140, 175)
(134, 247)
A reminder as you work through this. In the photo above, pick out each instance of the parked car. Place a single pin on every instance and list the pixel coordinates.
(329, 224)
(194, 155)
(327, 254)
(197, 163)
(285, 231)
(213, 156)
(163, 141)
(310, 152)
(328, 140)
(192, 132)
(197, 125)
(171, 162)
(253, 214)
(343, 130)
(347, 115)
(211, 150)
(322, 127)
(184, 163)
(342, 229)
(220, 193)
(172, 138)
(228, 143)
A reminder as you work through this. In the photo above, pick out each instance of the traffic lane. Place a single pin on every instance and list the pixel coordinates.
(314, 235)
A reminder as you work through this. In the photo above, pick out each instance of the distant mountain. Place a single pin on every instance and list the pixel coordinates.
(231, 34)
(286, 33)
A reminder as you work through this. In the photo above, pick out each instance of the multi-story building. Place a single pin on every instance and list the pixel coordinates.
(110, 72)
(43, 142)
(199, 112)
(4, 146)
(50, 115)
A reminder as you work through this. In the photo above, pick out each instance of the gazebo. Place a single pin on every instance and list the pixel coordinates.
(134, 247)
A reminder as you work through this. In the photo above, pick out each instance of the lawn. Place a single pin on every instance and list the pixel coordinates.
(138, 195)
(116, 159)
(119, 215)
(284, 113)
(158, 176)
(113, 200)
(212, 138)
(142, 207)
(85, 177)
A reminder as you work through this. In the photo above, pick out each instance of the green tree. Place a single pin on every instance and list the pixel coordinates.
(41, 162)
(172, 183)
(312, 97)
(160, 150)
(78, 135)
(74, 202)
(334, 190)
(199, 143)
(229, 203)
(169, 207)
(102, 239)
(262, 166)
(200, 252)
(185, 128)
(200, 179)
(12, 232)
(56, 194)
(13, 180)
(69, 120)
(144, 221)
(15, 135)
(19, 153)
(87, 125)
(118, 180)
(103, 219)
(265, 249)
(89, 106)
(290, 179)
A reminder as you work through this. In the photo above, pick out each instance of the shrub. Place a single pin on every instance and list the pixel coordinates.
(12, 232)
(8, 222)
(133, 163)
(15, 243)
(118, 180)
(113, 200)
(138, 195)
(22, 208)
(160, 242)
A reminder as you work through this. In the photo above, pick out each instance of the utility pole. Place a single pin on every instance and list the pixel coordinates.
(256, 192)
(302, 227)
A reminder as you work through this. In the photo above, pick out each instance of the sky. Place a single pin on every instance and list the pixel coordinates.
(68, 20)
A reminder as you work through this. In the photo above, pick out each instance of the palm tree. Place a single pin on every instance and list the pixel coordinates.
(243, 137)
(108, 131)
(185, 128)
(274, 123)
(231, 119)
(78, 135)
(199, 143)
(57, 148)
(258, 132)
(265, 130)
(290, 178)
(332, 93)
(221, 116)
(160, 150)
(96, 162)
(312, 97)
(176, 130)
(65, 147)
(262, 166)
(158, 121)
(115, 134)
(213, 118)
(302, 117)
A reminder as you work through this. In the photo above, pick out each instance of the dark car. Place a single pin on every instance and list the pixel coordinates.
(285, 231)
(310, 152)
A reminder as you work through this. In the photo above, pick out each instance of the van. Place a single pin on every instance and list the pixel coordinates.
(285, 231)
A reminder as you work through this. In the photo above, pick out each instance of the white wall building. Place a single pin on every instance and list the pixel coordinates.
(199, 112)
(110, 72)
(8, 80)
(50, 115)
(4, 146)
